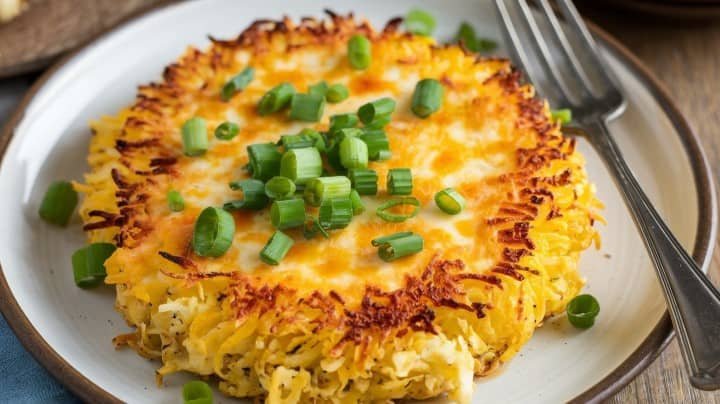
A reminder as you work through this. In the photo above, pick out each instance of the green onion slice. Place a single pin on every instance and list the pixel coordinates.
(254, 197)
(337, 93)
(357, 205)
(466, 35)
(420, 22)
(89, 264)
(359, 52)
(280, 188)
(227, 130)
(398, 245)
(399, 181)
(319, 189)
(377, 144)
(353, 153)
(301, 165)
(194, 137)
(342, 121)
(214, 231)
(276, 99)
(264, 160)
(307, 107)
(364, 180)
(450, 201)
(312, 228)
(59, 203)
(335, 213)
(197, 392)
(582, 310)
(319, 89)
(383, 211)
(562, 115)
(427, 98)
(176, 202)
(380, 122)
(287, 213)
(237, 83)
(276, 248)
(380, 108)
(306, 138)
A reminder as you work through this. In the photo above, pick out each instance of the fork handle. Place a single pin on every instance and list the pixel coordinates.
(693, 302)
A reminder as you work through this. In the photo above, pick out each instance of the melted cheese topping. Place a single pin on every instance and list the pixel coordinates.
(529, 208)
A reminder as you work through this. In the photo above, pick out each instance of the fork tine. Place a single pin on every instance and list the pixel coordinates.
(567, 50)
(545, 57)
(574, 20)
(516, 49)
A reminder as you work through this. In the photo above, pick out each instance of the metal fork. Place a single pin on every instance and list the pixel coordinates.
(693, 302)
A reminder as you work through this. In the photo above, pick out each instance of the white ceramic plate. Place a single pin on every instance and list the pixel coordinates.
(70, 329)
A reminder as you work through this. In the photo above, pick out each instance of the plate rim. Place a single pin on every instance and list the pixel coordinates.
(651, 347)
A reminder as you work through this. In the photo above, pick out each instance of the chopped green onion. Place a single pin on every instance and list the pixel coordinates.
(306, 138)
(380, 122)
(299, 141)
(357, 205)
(398, 245)
(213, 233)
(384, 239)
(335, 213)
(276, 99)
(359, 52)
(59, 203)
(264, 160)
(307, 107)
(197, 392)
(342, 121)
(353, 153)
(377, 144)
(486, 45)
(319, 189)
(237, 83)
(276, 248)
(582, 310)
(280, 188)
(562, 115)
(89, 264)
(383, 211)
(466, 35)
(194, 137)
(227, 131)
(312, 228)
(337, 93)
(450, 201)
(287, 213)
(301, 165)
(253, 198)
(320, 89)
(399, 181)
(364, 180)
(420, 22)
(379, 109)
(176, 203)
(427, 98)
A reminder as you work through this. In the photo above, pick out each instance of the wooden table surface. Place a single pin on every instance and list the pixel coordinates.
(685, 56)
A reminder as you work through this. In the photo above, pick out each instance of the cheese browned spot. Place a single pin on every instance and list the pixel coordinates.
(333, 321)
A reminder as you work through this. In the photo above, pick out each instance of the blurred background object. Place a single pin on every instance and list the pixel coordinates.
(10, 9)
(675, 9)
(44, 29)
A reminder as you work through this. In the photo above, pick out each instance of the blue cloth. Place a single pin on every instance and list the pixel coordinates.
(22, 379)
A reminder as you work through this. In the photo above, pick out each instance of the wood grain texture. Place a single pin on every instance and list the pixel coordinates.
(49, 27)
(685, 57)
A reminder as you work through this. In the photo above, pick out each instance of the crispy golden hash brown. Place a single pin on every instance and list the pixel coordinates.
(333, 322)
